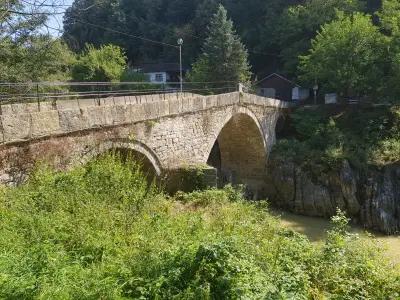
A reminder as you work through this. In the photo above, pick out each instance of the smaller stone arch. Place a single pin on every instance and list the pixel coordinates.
(282, 127)
(124, 145)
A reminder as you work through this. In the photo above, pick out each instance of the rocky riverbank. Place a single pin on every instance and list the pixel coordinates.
(371, 198)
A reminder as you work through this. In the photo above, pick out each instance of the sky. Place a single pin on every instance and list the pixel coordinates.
(55, 22)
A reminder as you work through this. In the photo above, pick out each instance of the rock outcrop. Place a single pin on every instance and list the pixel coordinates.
(371, 198)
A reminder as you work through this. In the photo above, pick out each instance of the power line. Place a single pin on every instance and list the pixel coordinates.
(126, 34)
(24, 13)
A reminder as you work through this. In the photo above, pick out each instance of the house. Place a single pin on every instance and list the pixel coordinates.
(162, 72)
(279, 87)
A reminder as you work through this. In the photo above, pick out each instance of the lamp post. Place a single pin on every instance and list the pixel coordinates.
(180, 43)
(315, 88)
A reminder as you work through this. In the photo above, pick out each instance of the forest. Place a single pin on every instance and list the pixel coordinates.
(346, 46)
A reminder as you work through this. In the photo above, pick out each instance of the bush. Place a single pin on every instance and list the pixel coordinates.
(101, 232)
(324, 136)
(107, 63)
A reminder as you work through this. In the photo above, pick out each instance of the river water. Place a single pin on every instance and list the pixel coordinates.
(315, 230)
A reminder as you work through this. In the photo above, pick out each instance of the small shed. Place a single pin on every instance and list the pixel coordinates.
(279, 87)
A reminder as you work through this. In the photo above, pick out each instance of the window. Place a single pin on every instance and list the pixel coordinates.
(159, 77)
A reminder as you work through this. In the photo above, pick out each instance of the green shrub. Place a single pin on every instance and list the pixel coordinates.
(101, 232)
(104, 64)
(326, 136)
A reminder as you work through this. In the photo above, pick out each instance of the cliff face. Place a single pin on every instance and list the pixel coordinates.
(371, 198)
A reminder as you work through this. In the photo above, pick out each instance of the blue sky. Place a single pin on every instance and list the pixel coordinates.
(56, 21)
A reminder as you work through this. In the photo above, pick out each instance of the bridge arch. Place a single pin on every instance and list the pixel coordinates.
(141, 150)
(239, 151)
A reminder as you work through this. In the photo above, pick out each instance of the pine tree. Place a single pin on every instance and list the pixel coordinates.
(224, 57)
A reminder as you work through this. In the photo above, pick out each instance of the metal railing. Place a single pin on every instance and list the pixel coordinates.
(48, 91)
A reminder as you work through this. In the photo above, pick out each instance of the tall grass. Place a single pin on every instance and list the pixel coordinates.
(101, 232)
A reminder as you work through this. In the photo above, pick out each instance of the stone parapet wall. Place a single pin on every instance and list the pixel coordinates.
(27, 121)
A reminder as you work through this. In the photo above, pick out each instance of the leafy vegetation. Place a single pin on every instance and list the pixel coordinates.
(224, 57)
(34, 58)
(298, 25)
(304, 40)
(100, 231)
(107, 63)
(348, 55)
(332, 42)
(325, 136)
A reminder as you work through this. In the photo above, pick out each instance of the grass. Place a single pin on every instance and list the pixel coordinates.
(101, 232)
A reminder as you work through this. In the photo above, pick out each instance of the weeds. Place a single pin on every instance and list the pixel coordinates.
(101, 232)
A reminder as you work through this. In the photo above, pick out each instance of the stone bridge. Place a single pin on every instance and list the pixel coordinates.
(232, 133)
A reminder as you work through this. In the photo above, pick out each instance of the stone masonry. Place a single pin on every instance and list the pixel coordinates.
(171, 130)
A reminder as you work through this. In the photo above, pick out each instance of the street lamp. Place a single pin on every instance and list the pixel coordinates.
(180, 43)
(315, 88)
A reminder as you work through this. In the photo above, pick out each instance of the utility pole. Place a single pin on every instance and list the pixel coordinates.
(180, 43)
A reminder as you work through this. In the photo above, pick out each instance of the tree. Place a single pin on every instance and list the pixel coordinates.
(389, 20)
(107, 63)
(299, 24)
(224, 57)
(26, 53)
(36, 58)
(348, 56)
(389, 16)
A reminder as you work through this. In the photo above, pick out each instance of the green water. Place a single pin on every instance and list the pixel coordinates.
(315, 230)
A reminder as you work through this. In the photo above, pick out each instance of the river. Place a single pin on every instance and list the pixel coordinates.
(315, 230)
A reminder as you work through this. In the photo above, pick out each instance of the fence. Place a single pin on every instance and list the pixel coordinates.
(47, 91)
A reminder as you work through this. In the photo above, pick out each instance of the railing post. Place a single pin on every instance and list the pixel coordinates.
(37, 96)
(241, 87)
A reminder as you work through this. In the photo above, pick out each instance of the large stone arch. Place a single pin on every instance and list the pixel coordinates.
(123, 144)
(228, 117)
(241, 146)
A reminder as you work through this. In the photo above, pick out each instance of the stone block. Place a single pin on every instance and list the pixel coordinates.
(45, 123)
(18, 108)
(120, 100)
(209, 102)
(107, 101)
(119, 114)
(21, 108)
(137, 113)
(114, 115)
(16, 127)
(84, 103)
(108, 116)
(174, 106)
(197, 103)
(46, 106)
(140, 99)
(96, 116)
(163, 108)
(72, 120)
(151, 110)
(185, 105)
(31, 107)
(129, 100)
(67, 105)
(5, 109)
